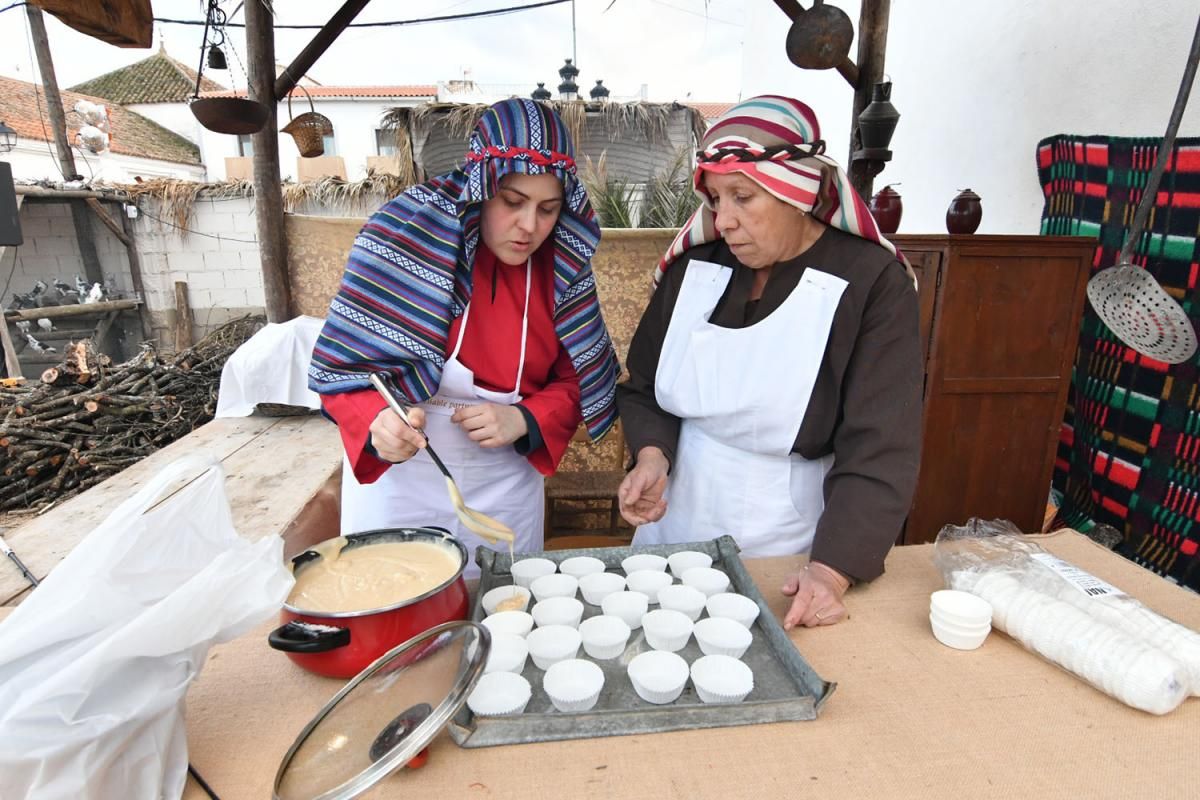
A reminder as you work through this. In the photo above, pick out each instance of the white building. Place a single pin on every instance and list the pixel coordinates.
(138, 147)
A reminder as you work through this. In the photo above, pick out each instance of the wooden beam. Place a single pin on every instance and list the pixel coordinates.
(62, 312)
(129, 23)
(108, 221)
(11, 364)
(54, 104)
(316, 48)
(135, 275)
(183, 316)
(872, 49)
(268, 193)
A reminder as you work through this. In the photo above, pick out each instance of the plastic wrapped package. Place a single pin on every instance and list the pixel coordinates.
(1071, 618)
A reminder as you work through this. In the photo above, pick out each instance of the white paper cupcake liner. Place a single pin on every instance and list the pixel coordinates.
(649, 582)
(628, 606)
(647, 561)
(500, 693)
(507, 654)
(527, 570)
(556, 585)
(500, 594)
(518, 623)
(706, 579)
(604, 637)
(731, 605)
(658, 677)
(599, 585)
(721, 679)
(573, 685)
(683, 599)
(554, 643)
(667, 630)
(684, 560)
(557, 611)
(578, 566)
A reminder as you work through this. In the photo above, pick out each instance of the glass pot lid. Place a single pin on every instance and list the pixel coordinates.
(385, 715)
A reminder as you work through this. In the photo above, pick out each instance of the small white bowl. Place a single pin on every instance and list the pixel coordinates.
(573, 685)
(955, 639)
(579, 566)
(667, 630)
(658, 677)
(527, 570)
(499, 693)
(648, 582)
(719, 636)
(599, 585)
(552, 644)
(554, 586)
(721, 679)
(519, 623)
(963, 608)
(501, 594)
(557, 611)
(706, 579)
(954, 627)
(684, 560)
(604, 636)
(684, 599)
(640, 561)
(736, 607)
(630, 607)
(508, 653)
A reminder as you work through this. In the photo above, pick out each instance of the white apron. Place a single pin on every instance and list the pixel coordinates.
(742, 394)
(496, 481)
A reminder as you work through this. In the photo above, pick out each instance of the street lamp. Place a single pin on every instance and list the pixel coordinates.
(8, 138)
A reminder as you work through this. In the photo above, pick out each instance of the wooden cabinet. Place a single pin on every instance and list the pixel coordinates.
(999, 325)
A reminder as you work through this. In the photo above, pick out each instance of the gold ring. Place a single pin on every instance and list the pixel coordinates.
(819, 617)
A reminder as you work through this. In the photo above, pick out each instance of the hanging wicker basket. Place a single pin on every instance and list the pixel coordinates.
(309, 129)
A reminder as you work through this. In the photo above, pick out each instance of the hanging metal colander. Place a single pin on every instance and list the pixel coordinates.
(1128, 298)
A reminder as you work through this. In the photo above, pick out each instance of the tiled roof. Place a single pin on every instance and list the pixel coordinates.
(712, 110)
(345, 91)
(24, 110)
(157, 79)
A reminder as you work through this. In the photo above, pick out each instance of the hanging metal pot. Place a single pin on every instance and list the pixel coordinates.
(819, 37)
(309, 129)
(232, 115)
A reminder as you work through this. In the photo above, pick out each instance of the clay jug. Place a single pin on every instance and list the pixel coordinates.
(965, 213)
(887, 209)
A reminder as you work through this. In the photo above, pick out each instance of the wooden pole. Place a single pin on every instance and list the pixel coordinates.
(135, 275)
(268, 194)
(86, 238)
(54, 104)
(872, 48)
(183, 311)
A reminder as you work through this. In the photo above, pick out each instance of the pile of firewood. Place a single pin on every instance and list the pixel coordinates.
(87, 418)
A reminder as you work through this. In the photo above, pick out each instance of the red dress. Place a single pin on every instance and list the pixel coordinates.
(491, 350)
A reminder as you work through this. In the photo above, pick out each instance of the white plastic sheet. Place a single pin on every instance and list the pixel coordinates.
(270, 367)
(94, 665)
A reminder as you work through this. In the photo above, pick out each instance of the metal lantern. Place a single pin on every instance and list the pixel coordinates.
(599, 91)
(541, 92)
(568, 89)
(8, 138)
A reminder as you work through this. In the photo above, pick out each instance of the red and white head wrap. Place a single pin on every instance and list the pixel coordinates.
(776, 142)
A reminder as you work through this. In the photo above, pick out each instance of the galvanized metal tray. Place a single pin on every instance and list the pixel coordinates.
(786, 688)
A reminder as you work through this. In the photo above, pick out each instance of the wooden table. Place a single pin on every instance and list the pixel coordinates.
(274, 467)
(910, 718)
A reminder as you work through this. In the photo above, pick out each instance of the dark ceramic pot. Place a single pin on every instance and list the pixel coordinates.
(887, 209)
(965, 213)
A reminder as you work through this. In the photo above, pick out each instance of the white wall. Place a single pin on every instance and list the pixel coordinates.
(978, 85)
(34, 160)
(354, 125)
(175, 117)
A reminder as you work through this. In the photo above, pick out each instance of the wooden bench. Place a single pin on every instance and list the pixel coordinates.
(282, 477)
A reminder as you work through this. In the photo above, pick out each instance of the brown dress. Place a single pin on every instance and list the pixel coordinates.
(865, 407)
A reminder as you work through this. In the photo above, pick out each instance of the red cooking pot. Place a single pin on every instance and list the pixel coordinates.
(341, 644)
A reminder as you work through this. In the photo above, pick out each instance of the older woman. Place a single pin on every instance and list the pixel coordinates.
(475, 292)
(774, 388)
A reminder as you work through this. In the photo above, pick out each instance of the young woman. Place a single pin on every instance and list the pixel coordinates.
(474, 292)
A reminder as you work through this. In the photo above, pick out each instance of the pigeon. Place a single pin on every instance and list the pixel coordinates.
(23, 325)
(95, 295)
(45, 324)
(38, 346)
(81, 287)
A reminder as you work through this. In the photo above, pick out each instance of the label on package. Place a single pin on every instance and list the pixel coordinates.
(1085, 582)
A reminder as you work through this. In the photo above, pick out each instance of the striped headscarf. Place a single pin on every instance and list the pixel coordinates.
(776, 142)
(409, 272)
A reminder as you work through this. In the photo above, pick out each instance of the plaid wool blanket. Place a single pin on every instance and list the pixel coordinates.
(1129, 448)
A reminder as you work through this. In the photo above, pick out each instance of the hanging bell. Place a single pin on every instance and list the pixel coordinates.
(216, 58)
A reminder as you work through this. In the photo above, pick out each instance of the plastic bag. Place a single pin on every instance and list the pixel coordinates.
(95, 664)
(1072, 618)
(270, 367)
